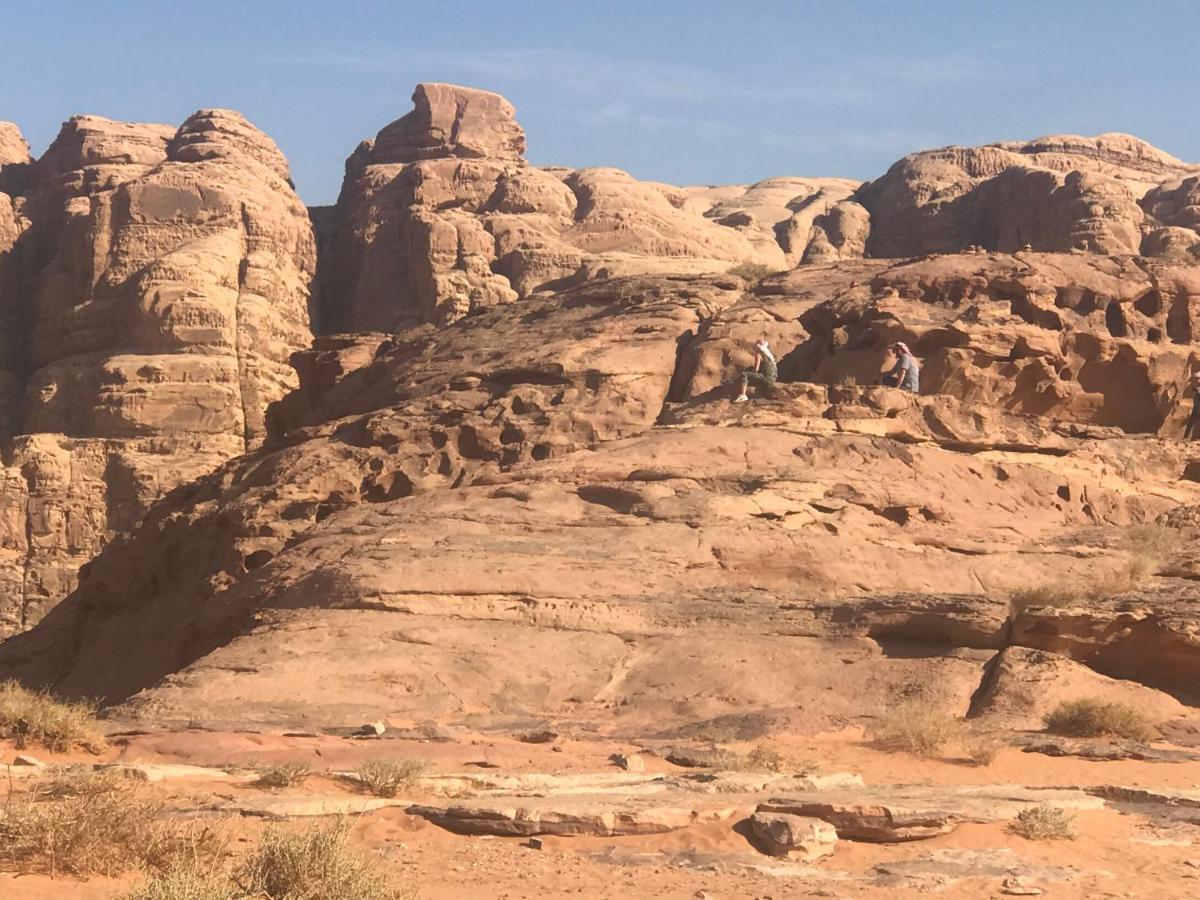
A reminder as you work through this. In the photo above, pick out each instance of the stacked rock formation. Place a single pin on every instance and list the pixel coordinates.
(153, 283)
(440, 215)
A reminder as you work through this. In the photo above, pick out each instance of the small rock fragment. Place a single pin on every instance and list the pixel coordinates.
(372, 728)
(534, 843)
(630, 762)
(1020, 885)
(543, 736)
(24, 760)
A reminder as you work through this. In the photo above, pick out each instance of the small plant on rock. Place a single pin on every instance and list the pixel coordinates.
(1094, 717)
(282, 775)
(765, 759)
(1044, 823)
(387, 777)
(751, 271)
(916, 727)
(1055, 594)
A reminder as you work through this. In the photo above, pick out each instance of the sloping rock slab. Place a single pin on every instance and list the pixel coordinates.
(1107, 750)
(864, 820)
(302, 806)
(598, 817)
(893, 814)
(944, 867)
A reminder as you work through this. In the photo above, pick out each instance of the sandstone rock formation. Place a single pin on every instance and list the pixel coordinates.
(154, 285)
(548, 508)
(1055, 194)
(559, 492)
(440, 215)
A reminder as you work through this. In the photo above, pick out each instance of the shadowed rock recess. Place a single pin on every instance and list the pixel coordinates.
(510, 483)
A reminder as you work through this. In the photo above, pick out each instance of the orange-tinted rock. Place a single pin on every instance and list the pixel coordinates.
(441, 216)
(1055, 194)
(162, 285)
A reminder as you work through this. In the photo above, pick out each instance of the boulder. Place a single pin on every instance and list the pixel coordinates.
(789, 835)
(1024, 685)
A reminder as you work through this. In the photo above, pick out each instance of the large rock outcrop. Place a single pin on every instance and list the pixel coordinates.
(550, 509)
(1054, 194)
(156, 282)
(440, 215)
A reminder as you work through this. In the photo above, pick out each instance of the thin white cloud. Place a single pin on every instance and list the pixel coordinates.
(813, 83)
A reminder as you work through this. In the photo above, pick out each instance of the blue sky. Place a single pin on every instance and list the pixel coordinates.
(687, 92)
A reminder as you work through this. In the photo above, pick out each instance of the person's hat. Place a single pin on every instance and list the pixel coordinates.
(902, 347)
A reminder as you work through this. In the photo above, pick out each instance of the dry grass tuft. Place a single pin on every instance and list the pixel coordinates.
(1151, 541)
(1094, 717)
(751, 271)
(981, 747)
(186, 883)
(281, 775)
(1056, 594)
(312, 865)
(387, 777)
(36, 717)
(96, 825)
(1044, 823)
(765, 759)
(916, 727)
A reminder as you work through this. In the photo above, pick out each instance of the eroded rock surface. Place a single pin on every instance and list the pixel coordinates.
(1055, 194)
(440, 215)
(155, 283)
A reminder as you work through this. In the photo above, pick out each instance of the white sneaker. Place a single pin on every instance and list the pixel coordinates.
(740, 398)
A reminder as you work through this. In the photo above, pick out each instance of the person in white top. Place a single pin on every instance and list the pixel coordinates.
(764, 373)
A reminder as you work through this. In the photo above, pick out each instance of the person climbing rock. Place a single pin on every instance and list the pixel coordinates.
(763, 374)
(904, 374)
(1191, 431)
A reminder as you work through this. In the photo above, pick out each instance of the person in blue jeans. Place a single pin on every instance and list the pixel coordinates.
(763, 374)
(904, 374)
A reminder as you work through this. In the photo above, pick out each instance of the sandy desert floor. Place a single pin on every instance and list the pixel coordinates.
(1146, 846)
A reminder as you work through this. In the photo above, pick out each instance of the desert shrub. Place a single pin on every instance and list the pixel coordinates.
(312, 865)
(186, 883)
(1151, 541)
(88, 825)
(386, 777)
(846, 381)
(1057, 594)
(1094, 717)
(916, 727)
(765, 759)
(281, 775)
(751, 271)
(36, 717)
(981, 747)
(1044, 823)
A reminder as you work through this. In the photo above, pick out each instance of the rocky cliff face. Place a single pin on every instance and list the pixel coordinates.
(153, 283)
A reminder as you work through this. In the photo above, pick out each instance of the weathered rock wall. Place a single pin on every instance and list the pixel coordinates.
(154, 285)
